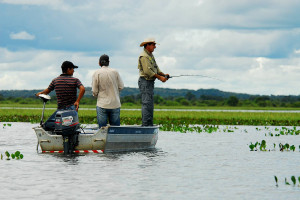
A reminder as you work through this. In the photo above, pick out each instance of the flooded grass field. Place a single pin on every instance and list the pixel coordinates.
(217, 164)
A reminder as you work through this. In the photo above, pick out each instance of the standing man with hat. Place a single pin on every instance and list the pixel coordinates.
(148, 71)
(65, 87)
(106, 86)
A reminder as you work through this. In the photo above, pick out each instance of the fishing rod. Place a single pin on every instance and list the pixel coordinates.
(168, 76)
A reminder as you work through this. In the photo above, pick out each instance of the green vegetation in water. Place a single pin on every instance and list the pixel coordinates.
(263, 145)
(188, 121)
(276, 180)
(5, 125)
(281, 131)
(164, 118)
(286, 182)
(285, 131)
(188, 128)
(17, 155)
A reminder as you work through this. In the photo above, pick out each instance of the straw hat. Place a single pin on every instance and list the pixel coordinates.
(148, 40)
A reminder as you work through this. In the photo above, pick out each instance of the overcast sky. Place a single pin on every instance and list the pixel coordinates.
(253, 46)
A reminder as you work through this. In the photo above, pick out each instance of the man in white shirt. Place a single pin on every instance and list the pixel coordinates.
(106, 86)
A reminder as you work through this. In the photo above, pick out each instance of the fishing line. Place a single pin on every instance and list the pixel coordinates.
(195, 75)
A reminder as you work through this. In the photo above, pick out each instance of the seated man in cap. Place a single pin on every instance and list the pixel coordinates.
(106, 86)
(65, 87)
(149, 71)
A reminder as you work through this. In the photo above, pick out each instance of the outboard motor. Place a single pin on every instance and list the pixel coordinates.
(67, 125)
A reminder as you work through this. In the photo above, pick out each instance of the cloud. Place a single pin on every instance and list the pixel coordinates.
(252, 45)
(297, 51)
(34, 69)
(23, 35)
(60, 5)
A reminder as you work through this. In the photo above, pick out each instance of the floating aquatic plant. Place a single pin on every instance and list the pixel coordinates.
(286, 182)
(263, 146)
(4, 125)
(17, 155)
(282, 131)
(251, 146)
(184, 128)
(293, 180)
(276, 180)
(7, 155)
(292, 147)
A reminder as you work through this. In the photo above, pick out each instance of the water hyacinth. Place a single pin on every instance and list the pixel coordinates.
(276, 180)
(7, 155)
(263, 146)
(17, 155)
(293, 179)
(5, 125)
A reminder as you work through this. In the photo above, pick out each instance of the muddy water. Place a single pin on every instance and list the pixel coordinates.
(183, 166)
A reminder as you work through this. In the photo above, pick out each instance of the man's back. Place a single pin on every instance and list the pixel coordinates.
(65, 87)
(106, 86)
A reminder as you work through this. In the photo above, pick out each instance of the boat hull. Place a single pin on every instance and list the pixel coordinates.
(106, 139)
(130, 138)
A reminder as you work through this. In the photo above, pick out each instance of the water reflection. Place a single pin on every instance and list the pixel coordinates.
(151, 153)
(72, 159)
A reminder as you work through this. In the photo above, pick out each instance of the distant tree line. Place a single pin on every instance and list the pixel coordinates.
(189, 99)
(205, 100)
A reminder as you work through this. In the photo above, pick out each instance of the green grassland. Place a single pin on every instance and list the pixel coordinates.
(163, 118)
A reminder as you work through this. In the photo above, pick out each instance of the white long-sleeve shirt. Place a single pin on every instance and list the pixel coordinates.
(106, 86)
